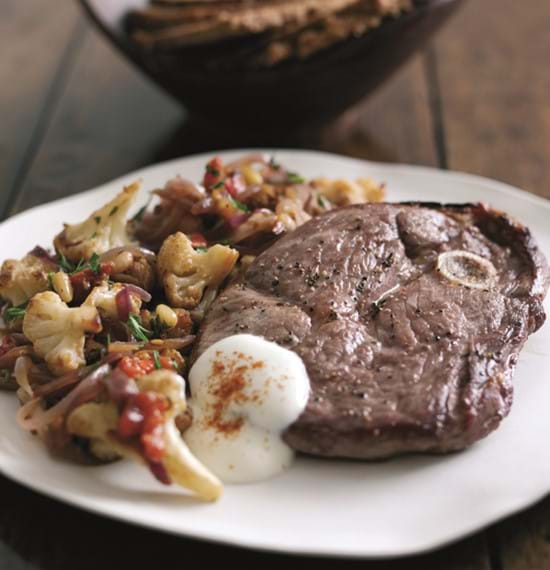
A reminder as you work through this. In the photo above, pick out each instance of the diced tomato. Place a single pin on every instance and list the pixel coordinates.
(143, 416)
(214, 172)
(160, 473)
(6, 344)
(198, 240)
(130, 422)
(234, 184)
(138, 365)
(143, 363)
(84, 280)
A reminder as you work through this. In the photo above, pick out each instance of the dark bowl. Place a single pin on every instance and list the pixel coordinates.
(291, 95)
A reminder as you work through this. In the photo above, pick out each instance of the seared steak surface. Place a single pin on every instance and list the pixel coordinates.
(400, 358)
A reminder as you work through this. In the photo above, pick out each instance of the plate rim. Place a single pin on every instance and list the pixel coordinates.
(76, 501)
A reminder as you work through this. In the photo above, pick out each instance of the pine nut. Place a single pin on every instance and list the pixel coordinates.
(62, 286)
(167, 316)
(251, 176)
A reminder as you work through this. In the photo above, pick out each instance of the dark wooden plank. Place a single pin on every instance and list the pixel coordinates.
(523, 541)
(30, 77)
(492, 69)
(394, 125)
(494, 81)
(109, 121)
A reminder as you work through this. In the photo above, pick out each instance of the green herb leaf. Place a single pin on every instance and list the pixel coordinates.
(93, 263)
(139, 332)
(64, 264)
(156, 359)
(274, 164)
(79, 266)
(322, 201)
(226, 242)
(156, 327)
(13, 313)
(97, 219)
(140, 212)
(113, 211)
(50, 279)
(219, 184)
(201, 249)
(239, 205)
(294, 178)
(212, 171)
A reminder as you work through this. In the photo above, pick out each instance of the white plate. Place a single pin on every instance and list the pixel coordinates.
(394, 508)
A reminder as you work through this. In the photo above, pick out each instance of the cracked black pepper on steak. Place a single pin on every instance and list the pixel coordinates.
(400, 358)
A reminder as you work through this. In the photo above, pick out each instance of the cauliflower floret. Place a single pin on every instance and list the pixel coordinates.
(57, 332)
(186, 273)
(99, 421)
(347, 192)
(21, 279)
(103, 230)
(103, 298)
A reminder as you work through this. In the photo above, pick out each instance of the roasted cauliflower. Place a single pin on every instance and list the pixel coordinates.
(103, 298)
(347, 192)
(186, 273)
(57, 332)
(21, 279)
(99, 421)
(103, 230)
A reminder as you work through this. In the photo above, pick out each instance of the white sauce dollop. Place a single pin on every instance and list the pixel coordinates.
(245, 391)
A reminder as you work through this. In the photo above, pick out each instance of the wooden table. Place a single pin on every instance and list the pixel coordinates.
(75, 115)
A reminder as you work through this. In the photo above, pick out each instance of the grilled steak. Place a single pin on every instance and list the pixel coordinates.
(400, 357)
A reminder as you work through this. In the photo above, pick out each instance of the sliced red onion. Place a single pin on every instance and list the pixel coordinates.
(123, 304)
(237, 220)
(133, 249)
(120, 386)
(139, 292)
(8, 358)
(170, 343)
(159, 472)
(121, 347)
(32, 417)
(73, 377)
(21, 373)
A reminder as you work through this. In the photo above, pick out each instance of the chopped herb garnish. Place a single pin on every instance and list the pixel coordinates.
(201, 249)
(274, 164)
(68, 267)
(141, 211)
(156, 326)
(113, 211)
(219, 184)
(64, 264)
(212, 171)
(97, 219)
(322, 201)
(139, 332)
(156, 359)
(50, 278)
(294, 178)
(79, 266)
(239, 205)
(13, 313)
(226, 242)
(93, 263)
